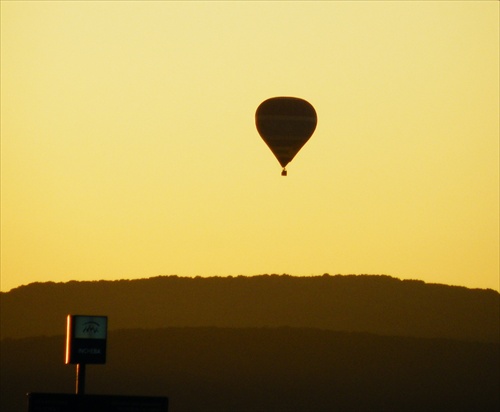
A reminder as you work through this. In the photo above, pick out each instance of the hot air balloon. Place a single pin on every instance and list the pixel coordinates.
(285, 124)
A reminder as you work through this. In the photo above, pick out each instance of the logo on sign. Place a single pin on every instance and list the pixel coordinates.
(90, 327)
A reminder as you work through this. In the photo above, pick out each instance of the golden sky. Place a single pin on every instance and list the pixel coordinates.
(129, 147)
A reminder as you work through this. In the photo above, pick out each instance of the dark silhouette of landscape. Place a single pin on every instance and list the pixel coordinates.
(263, 343)
(376, 304)
(266, 369)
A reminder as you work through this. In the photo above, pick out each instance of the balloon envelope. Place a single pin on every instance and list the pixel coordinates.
(285, 124)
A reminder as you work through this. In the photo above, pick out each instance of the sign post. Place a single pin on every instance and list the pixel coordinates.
(85, 343)
(80, 378)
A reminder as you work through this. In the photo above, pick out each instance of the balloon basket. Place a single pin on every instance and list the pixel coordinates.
(283, 172)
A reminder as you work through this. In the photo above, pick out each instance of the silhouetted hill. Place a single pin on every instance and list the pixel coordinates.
(374, 304)
(266, 369)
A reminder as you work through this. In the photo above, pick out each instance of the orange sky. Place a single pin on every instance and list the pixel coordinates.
(129, 147)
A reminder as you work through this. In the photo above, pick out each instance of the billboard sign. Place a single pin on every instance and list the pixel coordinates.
(65, 402)
(86, 339)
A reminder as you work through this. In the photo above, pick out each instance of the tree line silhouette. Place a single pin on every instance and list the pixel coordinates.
(375, 304)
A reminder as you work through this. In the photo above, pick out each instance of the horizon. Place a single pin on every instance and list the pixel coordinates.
(129, 146)
(246, 276)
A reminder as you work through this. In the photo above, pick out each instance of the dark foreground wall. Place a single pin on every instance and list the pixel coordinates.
(266, 369)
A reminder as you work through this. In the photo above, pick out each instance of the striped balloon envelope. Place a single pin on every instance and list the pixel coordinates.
(285, 124)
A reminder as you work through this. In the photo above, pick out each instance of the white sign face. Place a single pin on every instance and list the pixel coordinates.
(91, 327)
